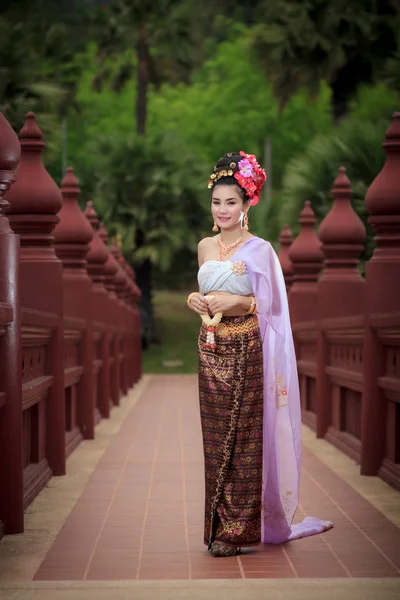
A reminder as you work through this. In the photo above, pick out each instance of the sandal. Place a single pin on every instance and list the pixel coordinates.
(218, 549)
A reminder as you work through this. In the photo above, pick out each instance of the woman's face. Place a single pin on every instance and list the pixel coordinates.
(227, 206)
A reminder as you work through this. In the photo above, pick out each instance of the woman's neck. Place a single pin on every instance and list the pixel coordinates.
(231, 236)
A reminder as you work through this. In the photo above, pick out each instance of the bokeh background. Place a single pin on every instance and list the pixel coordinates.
(142, 97)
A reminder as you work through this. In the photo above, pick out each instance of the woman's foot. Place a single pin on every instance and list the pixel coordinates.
(218, 549)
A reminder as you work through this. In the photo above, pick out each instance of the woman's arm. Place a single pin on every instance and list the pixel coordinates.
(201, 248)
(228, 302)
(196, 301)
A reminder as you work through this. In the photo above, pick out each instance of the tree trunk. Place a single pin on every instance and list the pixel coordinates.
(345, 85)
(142, 81)
(143, 279)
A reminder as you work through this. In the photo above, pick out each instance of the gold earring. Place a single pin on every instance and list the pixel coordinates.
(215, 227)
(246, 222)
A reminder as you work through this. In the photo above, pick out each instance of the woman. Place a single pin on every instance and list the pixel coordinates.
(249, 396)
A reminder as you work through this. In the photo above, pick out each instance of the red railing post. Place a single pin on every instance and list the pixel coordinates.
(11, 443)
(340, 293)
(138, 356)
(285, 241)
(110, 270)
(306, 257)
(72, 236)
(381, 356)
(136, 348)
(96, 260)
(127, 315)
(120, 282)
(35, 200)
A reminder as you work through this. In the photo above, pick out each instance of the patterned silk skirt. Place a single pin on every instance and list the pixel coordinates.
(231, 408)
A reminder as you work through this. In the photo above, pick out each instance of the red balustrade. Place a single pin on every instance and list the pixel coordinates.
(346, 328)
(11, 449)
(96, 260)
(68, 346)
(340, 309)
(306, 257)
(35, 200)
(381, 350)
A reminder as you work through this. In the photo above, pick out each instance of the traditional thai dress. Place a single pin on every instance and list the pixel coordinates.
(250, 407)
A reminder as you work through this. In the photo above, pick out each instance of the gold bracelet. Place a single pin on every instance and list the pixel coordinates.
(190, 297)
(252, 307)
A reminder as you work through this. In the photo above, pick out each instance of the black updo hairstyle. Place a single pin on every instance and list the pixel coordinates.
(229, 162)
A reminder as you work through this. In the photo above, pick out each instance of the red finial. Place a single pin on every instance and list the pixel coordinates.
(98, 252)
(383, 198)
(91, 215)
(10, 153)
(111, 267)
(285, 241)
(306, 256)
(305, 252)
(10, 148)
(342, 232)
(73, 233)
(103, 233)
(35, 198)
(120, 276)
(30, 130)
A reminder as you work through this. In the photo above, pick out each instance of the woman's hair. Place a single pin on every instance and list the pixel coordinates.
(229, 162)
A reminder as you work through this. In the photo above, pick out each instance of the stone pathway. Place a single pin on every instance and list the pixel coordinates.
(140, 514)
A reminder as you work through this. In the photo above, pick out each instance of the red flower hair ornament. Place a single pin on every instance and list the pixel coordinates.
(249, 175)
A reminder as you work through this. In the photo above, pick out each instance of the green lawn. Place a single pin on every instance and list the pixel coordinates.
(178, 330)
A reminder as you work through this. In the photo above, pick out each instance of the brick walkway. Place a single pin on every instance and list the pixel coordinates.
(141, 514)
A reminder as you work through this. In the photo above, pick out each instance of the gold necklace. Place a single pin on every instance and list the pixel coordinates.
(226, 248)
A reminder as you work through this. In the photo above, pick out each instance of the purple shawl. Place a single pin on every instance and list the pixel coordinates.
(282, 415)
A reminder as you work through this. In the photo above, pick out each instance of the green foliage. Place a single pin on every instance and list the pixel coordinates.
(149, 194)
(189, 117)
(21, 87)
(355, 144)
(207, 95)
(178, 328)
(346, 43)
(37, 67)
(231, 106)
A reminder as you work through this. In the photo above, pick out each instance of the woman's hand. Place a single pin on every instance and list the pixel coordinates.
(222, 303)
(198, 303)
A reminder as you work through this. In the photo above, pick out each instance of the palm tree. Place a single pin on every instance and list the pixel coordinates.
(37, 56)
(345, 43)
(148, 191)
(160, 52)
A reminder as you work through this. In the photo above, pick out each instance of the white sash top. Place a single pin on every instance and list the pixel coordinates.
(224, 276)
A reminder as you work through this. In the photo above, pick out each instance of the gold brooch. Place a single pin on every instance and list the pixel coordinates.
(239, 267)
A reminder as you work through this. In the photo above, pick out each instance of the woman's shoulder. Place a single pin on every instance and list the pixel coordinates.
(207, 241)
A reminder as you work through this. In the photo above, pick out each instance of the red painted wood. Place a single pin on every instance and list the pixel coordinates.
(382, 298)
(306, 257)
(285, 241)
(11, 447)
(58, 324)
(72, 236)
(35, 201)
(340, 294)
(102, 306)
